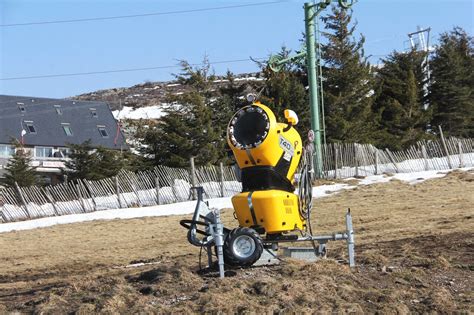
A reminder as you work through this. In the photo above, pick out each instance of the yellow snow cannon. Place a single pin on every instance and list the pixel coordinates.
(268, 153)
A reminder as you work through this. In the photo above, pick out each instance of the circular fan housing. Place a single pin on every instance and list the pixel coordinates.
(249, 127)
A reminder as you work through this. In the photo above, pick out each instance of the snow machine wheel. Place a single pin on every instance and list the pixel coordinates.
(242, 247)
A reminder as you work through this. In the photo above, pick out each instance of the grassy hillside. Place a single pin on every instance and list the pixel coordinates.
(413, 245)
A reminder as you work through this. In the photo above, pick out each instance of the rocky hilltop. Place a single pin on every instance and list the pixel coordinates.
(151, 93)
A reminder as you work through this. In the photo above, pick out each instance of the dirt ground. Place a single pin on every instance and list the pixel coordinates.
(414, 251)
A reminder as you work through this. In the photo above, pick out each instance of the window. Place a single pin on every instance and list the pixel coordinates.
(103, 132)
(58, 109)
(93, 112)
(21, 107)
(6, 150)
(30, 127)
(67, 129)
(43, 151)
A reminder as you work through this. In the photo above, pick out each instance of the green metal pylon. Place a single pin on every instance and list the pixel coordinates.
(309, 14)
(311, 11)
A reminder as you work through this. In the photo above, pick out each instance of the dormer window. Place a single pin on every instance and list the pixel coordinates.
(67, 129)
(93, 112)
(58, 109)
(21, 107)
(30, 127)
(103, 132)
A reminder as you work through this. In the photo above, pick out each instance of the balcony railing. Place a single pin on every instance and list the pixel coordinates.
(43, 163)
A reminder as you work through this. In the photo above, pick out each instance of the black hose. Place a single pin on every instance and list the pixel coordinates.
(305, 194)
(188, 224)
(305, 187)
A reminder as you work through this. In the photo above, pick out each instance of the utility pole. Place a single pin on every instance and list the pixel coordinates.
(309, 15)
(419, 42)
(311, 12)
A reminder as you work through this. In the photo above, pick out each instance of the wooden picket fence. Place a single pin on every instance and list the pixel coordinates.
(164, 185)
(345, 160)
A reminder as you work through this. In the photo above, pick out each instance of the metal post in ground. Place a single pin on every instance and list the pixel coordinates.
(219, 240)
(350, 238)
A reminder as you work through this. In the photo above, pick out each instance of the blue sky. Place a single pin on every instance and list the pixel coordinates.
(154, 41)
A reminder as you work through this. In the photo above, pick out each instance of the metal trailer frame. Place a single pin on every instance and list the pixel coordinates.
(215, 234)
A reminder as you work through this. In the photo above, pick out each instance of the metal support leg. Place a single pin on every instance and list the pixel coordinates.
(209, 256)
(350, 238)
(219, 241)
(322, 249)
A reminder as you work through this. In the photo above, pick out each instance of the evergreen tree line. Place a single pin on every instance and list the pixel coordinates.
(391, 105)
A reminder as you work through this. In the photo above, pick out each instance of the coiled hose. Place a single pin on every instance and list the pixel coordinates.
(305, 192)
(305, 187)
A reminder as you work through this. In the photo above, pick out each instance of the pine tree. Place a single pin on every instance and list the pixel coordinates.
(230, 99)
(349, 81)
(81, 162)
(187, 130)
(20, 171)
(402, 119)
(87, 162)
(452, 91)
(108, 163)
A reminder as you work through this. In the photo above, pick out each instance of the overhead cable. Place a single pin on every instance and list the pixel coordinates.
(120, 70)
(103, 18)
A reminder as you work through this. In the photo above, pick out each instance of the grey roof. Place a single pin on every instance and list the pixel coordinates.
(48, 123)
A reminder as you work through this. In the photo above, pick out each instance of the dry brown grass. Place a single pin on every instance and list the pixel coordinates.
(423, 233)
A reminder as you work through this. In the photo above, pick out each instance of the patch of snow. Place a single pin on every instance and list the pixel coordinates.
(418, 177)
(129, 213)
(149, 112)
(374, 179)
(326, 190)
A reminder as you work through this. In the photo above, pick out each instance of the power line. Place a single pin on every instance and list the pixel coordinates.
(121, 70)
(143, 15)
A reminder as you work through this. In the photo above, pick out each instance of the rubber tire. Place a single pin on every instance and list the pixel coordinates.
(229, 256)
